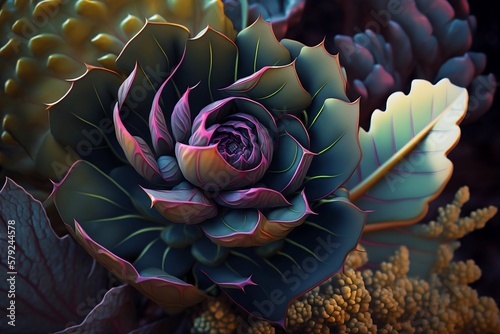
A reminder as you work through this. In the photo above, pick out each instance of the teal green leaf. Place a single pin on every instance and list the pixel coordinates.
(209, 64)
(334, 139)
(310, 254)
(170, 292)
(85, 126)
(181, 235)
(157, 255)
(258, 47)
(289, 167)
(116, 230)
(165, 44)
(105, 210)
(250, 227)
(321, 75)
(227, 228)
(158, 47)
(293, 46)
(298, 210)
(295, 127)
(209, 253)
(275, 87)
(404, 164)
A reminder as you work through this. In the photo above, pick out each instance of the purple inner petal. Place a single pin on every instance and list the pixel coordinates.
(242, 141)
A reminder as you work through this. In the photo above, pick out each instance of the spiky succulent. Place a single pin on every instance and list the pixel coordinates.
(213, 164)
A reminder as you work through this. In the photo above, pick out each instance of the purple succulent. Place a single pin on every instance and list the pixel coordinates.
(405, 40)
(223, 168)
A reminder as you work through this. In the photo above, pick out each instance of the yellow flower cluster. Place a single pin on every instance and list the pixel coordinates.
(388, 300)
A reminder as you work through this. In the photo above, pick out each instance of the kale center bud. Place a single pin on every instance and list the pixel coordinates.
(239, 141)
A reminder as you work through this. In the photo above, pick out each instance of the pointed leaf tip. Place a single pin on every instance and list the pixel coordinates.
(258, 48)
(181, 118)
(182, 206)
(241, 285)
(136, 150)
(125, 87)
(160, 136)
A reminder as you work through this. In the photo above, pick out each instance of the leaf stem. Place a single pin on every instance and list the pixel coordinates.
(244, 13)
(376, 227)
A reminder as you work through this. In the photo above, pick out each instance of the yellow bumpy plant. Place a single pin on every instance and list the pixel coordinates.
(44, 43)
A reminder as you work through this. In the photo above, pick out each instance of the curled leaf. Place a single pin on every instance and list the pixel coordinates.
(181, 119)
(289, 166)
(250, 227)
(205, 168)
(183, 206)
(252, 198)
(136, 150)
(169, 169)
(160, 136)
(206, 54)
(272, 86)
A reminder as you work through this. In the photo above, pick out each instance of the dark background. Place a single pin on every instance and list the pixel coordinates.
(477, 156)
(477, 161)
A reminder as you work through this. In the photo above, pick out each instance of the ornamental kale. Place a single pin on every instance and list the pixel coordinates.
(223, 170)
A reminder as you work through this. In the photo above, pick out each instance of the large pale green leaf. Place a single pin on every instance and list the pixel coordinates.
(429, 243)
(381, 245)
(404, 164)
